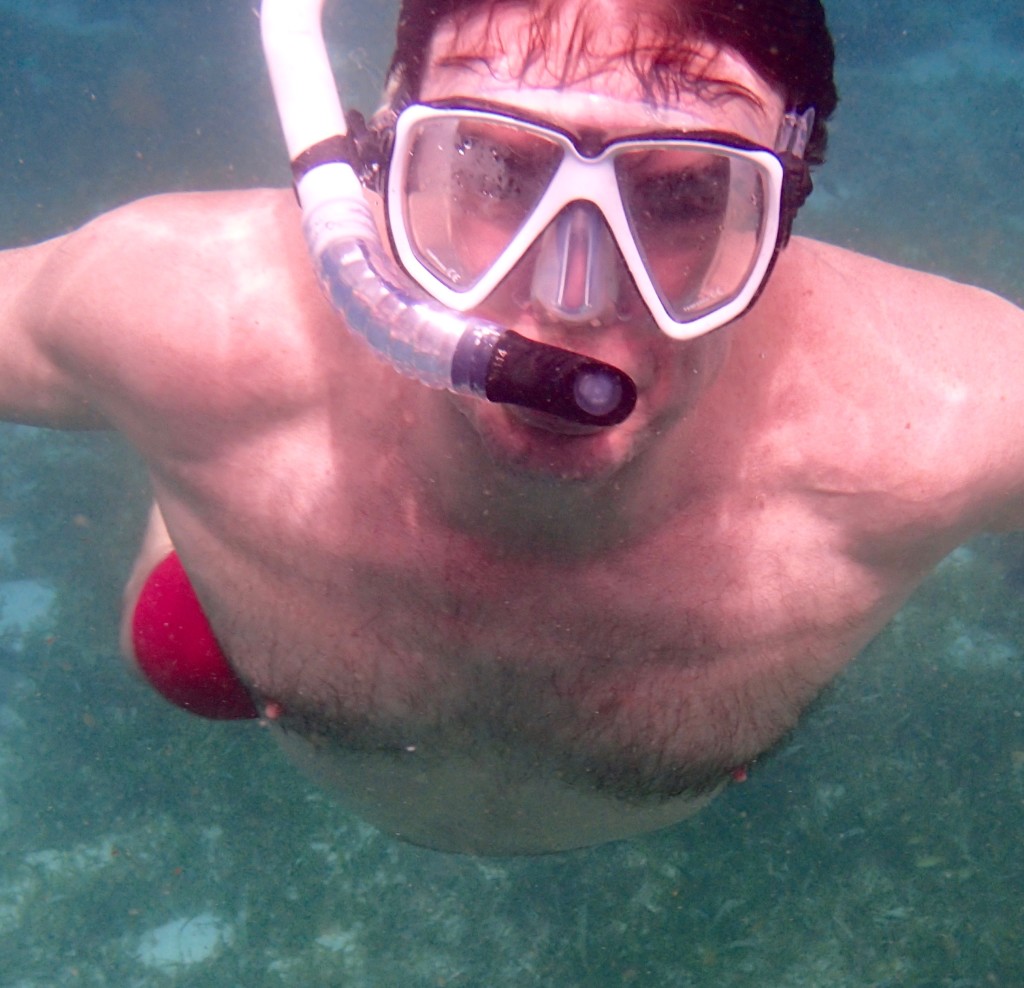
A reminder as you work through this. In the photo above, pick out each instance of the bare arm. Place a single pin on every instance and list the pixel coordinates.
(34, 390)
(154, 307)
(993, 353)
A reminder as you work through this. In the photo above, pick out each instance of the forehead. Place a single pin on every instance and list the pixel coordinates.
(498, 55)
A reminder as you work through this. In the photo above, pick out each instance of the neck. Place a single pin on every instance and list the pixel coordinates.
(532, 513)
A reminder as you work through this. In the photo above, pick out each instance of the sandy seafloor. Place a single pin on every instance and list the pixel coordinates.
(880, 846)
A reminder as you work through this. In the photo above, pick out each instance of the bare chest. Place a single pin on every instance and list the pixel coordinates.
(469, 696)
(471, 701)
(699, 646)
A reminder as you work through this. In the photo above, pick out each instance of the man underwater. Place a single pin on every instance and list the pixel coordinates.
(516, 625)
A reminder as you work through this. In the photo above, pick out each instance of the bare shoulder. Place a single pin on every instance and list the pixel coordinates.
(158, 304)
(211, 232)
(917, 327)
(927, 374)
(916, 302)
(77, 311)
(205, 213)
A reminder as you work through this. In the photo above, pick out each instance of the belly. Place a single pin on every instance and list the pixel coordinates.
(534, 756)
(481, 802)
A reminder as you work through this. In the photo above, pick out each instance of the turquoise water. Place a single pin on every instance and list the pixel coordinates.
(879, 847)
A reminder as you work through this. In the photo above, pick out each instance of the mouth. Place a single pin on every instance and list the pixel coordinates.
(552, 424)
(541, 445)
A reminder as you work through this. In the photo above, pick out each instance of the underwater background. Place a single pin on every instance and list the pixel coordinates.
(880, 846)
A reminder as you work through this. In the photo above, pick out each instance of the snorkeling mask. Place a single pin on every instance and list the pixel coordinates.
(696, 219)
(474, 193)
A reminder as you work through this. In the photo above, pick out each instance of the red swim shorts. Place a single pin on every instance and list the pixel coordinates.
(177, 652)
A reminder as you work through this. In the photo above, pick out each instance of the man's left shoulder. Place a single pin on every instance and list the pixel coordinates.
(935, 366)
(916, 301)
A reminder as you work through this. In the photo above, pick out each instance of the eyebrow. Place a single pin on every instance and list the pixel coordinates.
(702, 81)
(588, 140)
(736, 90)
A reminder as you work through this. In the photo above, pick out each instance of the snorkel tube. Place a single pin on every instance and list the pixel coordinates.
(417, 335)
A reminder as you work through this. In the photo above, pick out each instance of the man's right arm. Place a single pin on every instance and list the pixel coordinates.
(187, 304)
(34, 388)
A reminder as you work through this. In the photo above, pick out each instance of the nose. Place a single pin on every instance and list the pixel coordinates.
(577, 273)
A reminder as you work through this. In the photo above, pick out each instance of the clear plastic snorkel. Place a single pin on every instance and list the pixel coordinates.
(419, 337)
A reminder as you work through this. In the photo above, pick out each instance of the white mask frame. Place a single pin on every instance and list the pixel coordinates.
(581, 176)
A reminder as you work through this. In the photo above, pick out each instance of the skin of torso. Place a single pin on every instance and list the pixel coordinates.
(483, 660)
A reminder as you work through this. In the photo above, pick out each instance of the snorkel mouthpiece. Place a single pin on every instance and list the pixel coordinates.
(416, 334)
(559, 382)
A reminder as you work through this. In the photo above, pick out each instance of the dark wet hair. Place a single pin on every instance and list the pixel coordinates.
(787, 42)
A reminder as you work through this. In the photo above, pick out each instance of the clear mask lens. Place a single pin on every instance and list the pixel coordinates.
(471, 187)
(697, 219)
